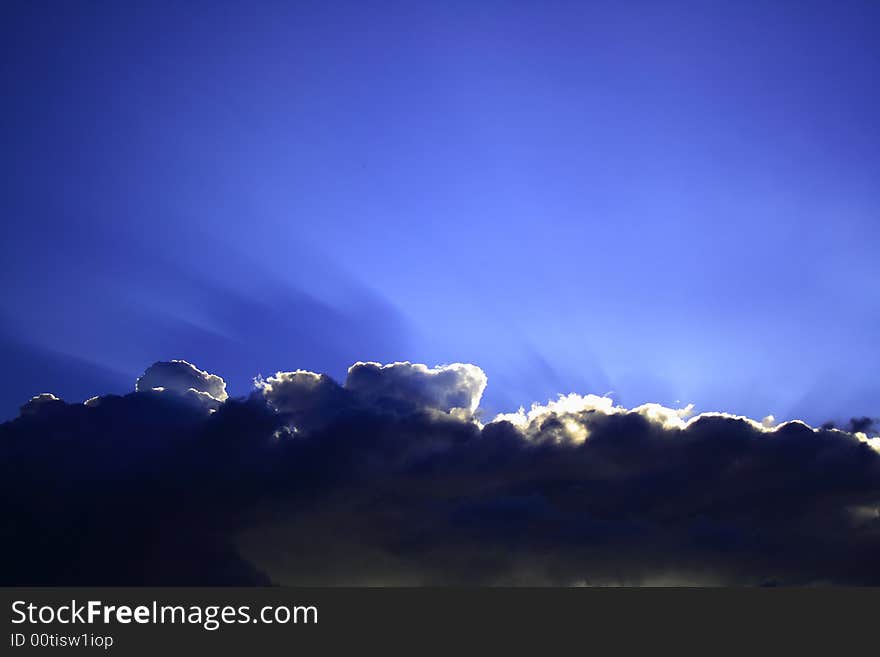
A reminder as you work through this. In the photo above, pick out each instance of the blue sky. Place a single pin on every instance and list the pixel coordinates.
(668, 200)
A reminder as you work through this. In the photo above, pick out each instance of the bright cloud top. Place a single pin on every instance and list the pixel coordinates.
(443, 388)
(456, 389)
(181, 377)
(567, 418)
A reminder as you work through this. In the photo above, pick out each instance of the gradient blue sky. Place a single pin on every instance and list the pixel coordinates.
(670, 200)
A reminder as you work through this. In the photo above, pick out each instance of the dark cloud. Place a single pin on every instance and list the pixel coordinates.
(43, 403)
(861, 424)
(389, 479)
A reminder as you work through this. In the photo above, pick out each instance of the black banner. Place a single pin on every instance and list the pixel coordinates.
(221, 621)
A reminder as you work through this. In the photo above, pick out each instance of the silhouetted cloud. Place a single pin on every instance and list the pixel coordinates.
(42, 403)
(390, 478)
(861, 424)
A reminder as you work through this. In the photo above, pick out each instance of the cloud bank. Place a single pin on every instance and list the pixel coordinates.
(392, 477)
